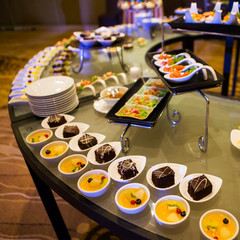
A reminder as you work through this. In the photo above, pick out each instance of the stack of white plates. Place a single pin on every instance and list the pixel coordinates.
(52, 95)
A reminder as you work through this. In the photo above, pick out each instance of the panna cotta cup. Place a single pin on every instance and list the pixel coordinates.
(73, 165)
(39, 138)
(54, 151)
(220, 224)
(132, 198)
(94, 183)
(171, 211)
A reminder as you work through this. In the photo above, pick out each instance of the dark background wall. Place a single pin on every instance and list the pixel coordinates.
(61, 12)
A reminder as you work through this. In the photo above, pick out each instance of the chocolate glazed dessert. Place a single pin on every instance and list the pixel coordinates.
(127, 169)
(199, 187)
(105, 153)
(87, 141)
(163, 177)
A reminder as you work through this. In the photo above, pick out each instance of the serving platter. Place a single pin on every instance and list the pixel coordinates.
(150, 120)
(197, 82)
(217, 29)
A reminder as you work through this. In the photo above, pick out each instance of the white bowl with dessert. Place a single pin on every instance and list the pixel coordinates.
(132, 198)
(218, 224)
(73, 165)
(94, 183)
(39, 138)
(171, 211)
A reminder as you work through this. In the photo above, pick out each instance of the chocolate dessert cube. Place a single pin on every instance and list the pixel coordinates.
(163, 177)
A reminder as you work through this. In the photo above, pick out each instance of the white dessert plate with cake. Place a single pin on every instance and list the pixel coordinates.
(179, 169)
(129, 170)
(44, 123)
(82, 127)
(216, 185)
(86, 140)
(106, 152)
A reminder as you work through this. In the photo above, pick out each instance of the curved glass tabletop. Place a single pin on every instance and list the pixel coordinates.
(164, 144)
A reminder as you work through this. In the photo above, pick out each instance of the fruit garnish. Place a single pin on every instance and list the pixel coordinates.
(225, 221)
(46, 135)
(183, 213)
(47, 151)
(138, 201)
(79, 163)
(90, 179)
(103, 177)
(82, 165)
(133, 202)
(215, 237)
(179, 211)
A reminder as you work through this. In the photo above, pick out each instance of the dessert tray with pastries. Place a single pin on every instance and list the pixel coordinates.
(182, 71)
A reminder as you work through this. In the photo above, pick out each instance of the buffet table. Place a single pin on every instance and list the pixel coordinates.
(165, 143)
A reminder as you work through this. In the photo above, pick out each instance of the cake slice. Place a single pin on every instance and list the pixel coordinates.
(127, 169)
(70, 131)
(163, 177)
(87, 141)
(105, 153)
(199, 187)
(56, 120)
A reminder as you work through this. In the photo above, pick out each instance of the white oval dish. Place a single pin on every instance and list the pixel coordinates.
(101, 106)
(235, 138)
(73, 144)
(107, 43)
(94, 193)
(68, 158)
(42, 143)
(68, 118)
(88, 42)
(91, 154)
(219, 211)
(113, 171)
(172, 224)
(81, 126)
(57, 158)
(132, 210)
(179, 169)
(216, 183)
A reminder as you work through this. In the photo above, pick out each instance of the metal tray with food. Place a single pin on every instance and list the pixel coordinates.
(147, 117)
(196, 74)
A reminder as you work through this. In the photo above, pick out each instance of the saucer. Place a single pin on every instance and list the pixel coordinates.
(101, 106)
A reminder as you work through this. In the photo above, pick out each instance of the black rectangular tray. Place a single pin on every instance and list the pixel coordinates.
(197, 82)
(216, 29)
(150, 120)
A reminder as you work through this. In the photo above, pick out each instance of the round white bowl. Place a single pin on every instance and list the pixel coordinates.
(228, 214)
(177, 198)
(235, 138)
(57, 158)
(42, 143)
(111, 101)
(94, 193)
(67, 159)
(132, 210)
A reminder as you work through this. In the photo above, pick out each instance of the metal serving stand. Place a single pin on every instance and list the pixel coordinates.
(117, 46)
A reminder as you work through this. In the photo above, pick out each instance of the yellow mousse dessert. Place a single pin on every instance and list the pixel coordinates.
(132, 197)
(38, 137)
(75, 164)
(218, 226)
(54, 151)
(94, 182)
(170, 211)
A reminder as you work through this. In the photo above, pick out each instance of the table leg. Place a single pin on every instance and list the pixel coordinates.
(120, 58)
(51, 207)
(81, 58)
(227, 65)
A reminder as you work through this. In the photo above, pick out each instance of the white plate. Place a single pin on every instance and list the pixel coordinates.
(91, 154)
(49, 86)
(101, 106)
(235, 138)
(179, 169)
(81, 126)
(73, 144)
(113, 171)
(68, 118)
(216, 183)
